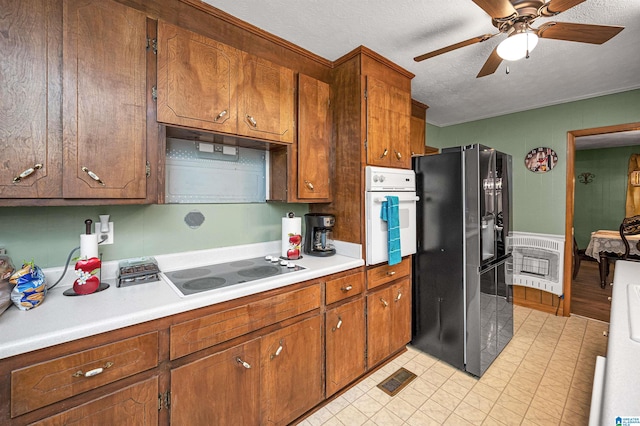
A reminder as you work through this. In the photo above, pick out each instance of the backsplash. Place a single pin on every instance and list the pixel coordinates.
(48, 234)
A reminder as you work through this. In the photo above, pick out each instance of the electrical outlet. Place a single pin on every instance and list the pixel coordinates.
(101, 235)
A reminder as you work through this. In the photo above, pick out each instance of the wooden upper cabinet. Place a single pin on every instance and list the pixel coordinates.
(266, 100)
(104, 100)
(314, 139)
(197, 80)
(30, 135)
(388, 122)
(418, 127)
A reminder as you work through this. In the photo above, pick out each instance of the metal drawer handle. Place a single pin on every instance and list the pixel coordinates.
(346, 289)
(309, 185)
(92, 175)
(278, 351)
(384, 154)
(609, 298)
(243, 363)
(338, 325)
(219, 116)
(398, 296)
(252, 121)
(93, 372)
(391, 273)
(398, 155)
(27, 173)
(384, 302)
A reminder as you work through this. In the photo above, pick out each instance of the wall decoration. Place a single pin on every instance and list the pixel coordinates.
(586, 177)
(541, 160)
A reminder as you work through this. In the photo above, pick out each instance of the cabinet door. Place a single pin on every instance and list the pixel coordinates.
(417, 136)
(379, 305)
(30, 132)
(314, 139)
(197, 80)
(104, 100)
(388, 123)
(265, 103)
(134, 405)
(291, 371)
(345, 345)
(220, 389)
(401, 315)
(388, 320)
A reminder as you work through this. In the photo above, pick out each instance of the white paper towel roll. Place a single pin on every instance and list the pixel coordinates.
(291, 226)
(88, 246)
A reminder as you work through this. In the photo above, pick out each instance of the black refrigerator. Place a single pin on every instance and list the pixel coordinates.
(462, 310)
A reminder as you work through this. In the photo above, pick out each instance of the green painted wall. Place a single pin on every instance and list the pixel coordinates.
(539, 199)
(48, 234)
(601, 203)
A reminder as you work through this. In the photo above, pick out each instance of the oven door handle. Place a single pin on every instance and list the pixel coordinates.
(401, 200)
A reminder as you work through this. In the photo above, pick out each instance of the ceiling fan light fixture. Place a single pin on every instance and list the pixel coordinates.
(517, 46)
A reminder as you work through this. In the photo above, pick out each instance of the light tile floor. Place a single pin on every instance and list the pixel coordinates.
(543, 377)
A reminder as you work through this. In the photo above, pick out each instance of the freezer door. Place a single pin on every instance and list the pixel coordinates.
(438, 308)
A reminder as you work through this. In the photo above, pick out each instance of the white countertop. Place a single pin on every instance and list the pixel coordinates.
(622, 372)
(61, 319)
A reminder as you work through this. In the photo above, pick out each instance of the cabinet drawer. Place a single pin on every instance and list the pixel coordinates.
(341, 288)
(51, 381)
(385, 273)
(194, 335)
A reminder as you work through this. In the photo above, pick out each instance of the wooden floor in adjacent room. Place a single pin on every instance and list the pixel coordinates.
(587, 298)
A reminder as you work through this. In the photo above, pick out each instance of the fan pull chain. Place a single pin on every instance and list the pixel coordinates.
(508, 69)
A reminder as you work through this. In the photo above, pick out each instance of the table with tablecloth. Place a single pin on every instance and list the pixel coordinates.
(605, 241)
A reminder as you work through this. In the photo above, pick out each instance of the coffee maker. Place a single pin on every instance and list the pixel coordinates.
(318, 237)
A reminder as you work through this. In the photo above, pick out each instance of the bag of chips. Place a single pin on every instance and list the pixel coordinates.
(30, 286)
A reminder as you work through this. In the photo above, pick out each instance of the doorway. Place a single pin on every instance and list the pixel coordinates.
(570, 201)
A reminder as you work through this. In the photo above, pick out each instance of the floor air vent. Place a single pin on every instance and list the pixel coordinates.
(397, 381)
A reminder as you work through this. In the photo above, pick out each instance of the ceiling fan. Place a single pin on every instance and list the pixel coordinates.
(514, 18)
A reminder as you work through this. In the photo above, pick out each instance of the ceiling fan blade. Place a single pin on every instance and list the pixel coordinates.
(491, 65)
(497, 8)
(557, 6)
(454, 47)
(582, 33)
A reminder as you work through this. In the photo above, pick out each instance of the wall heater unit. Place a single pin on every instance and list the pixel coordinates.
(536, 262)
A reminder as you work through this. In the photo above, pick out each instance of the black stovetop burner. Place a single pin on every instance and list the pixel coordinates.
(210, 277)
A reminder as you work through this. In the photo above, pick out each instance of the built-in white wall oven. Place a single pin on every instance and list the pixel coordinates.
(380, 183)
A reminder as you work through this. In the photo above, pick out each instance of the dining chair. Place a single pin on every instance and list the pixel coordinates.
(630, 226)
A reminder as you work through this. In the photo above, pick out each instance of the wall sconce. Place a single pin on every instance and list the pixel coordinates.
(587, 177)
(634, 178)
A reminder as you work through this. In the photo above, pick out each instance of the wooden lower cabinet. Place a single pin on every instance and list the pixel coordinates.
(291, 371)
(271, 379)
(344, 345)
(220, 389)
(388, 320)
(135, 405)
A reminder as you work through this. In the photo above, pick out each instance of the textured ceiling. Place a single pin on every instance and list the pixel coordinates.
(557, 71)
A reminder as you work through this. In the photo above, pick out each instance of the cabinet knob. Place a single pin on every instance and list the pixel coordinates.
(93, 372)
(219, 116)
(92, 175)
(309, 185)
(391, 273)
(243, 363)
(605, 333)
(398, 155)
(26, 173)
(384, 302)
(252, 121)
(398, 296)
(346, 289)
(338, 325)
(609, 298)
(384, 154)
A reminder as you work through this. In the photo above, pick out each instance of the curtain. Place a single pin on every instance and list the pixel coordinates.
(633, 192)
